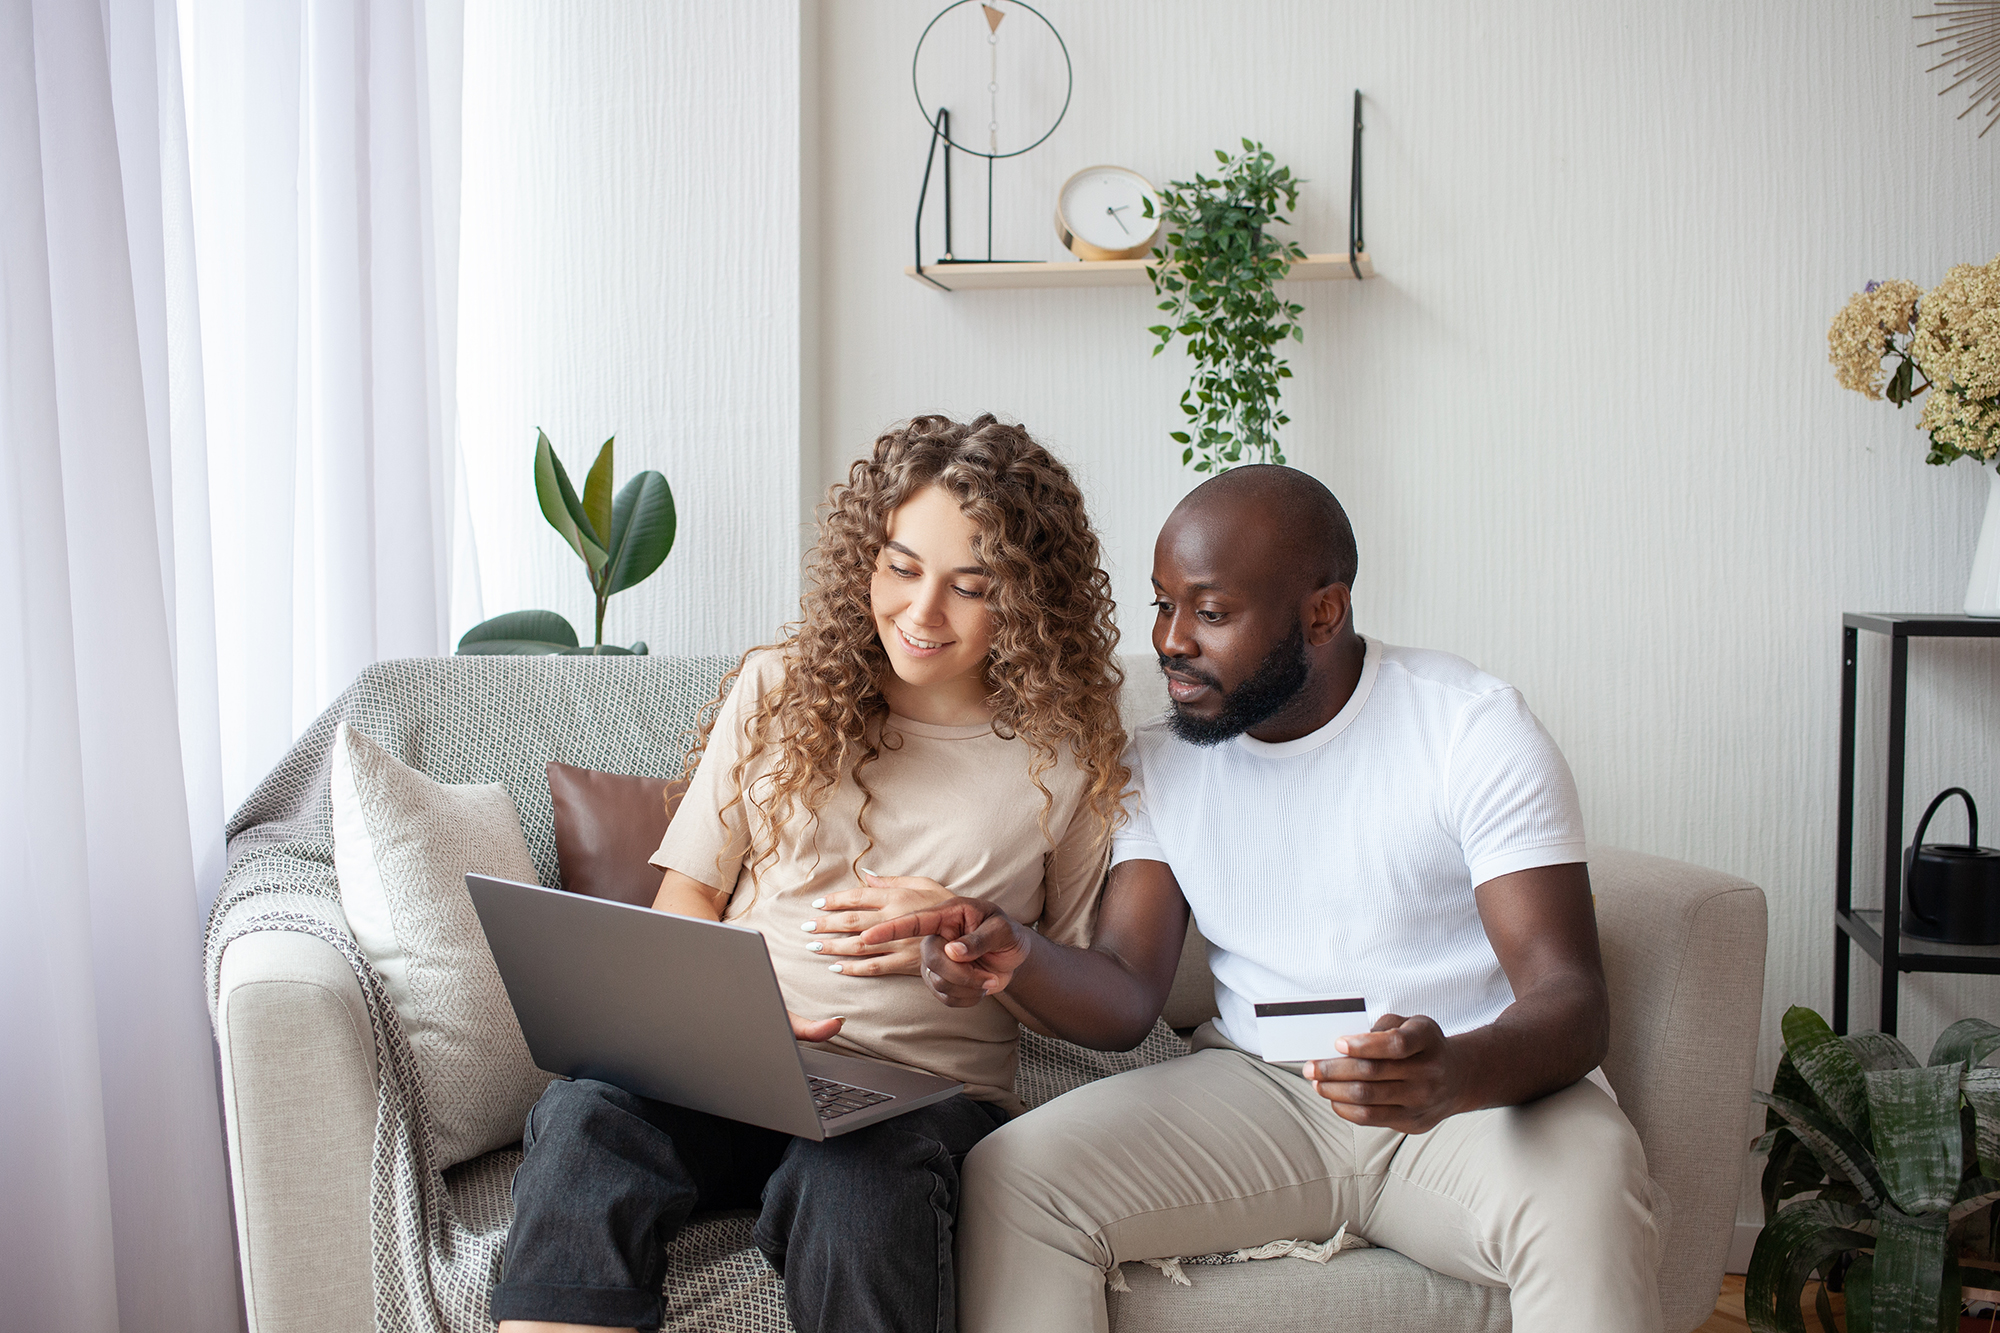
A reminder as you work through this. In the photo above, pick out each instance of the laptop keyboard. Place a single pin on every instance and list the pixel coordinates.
(832, 1099)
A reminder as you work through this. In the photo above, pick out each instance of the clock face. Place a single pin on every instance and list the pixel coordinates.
(1104, 208)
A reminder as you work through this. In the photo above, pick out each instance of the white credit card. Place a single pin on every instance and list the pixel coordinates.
(1306, 1028)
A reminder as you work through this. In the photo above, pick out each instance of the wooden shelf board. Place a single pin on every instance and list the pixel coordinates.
(1100, 273)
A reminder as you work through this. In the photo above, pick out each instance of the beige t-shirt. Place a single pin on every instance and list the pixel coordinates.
(953, 804)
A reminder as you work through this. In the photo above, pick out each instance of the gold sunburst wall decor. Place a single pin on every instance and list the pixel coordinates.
(1969, 33)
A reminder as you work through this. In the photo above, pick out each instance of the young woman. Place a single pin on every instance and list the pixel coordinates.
(945, 712)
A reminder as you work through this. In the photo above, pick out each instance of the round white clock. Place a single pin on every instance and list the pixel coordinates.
(1101, 214)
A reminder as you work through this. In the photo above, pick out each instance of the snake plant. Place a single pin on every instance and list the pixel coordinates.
(621, 542)
(1880, 1171)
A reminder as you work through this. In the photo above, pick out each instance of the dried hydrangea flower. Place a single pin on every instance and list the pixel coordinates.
(1859, 337)
(1957, 346)
(1960, 425)
(1958, 334)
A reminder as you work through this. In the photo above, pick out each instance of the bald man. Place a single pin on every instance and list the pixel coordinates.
(1345, 818)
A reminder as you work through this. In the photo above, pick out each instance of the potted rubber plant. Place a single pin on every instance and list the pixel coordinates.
(1881, 1178)
(620, 538)
(1217, 267)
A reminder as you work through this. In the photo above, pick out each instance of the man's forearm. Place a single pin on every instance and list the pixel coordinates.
(1087, 996)
(1542, 1043)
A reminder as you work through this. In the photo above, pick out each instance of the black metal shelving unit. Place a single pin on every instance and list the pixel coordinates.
(1878, 930)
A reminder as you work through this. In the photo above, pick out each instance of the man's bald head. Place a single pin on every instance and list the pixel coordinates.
(1306, 529)
(1252, 580)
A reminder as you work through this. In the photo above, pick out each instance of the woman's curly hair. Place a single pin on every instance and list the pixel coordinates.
(1052, 672)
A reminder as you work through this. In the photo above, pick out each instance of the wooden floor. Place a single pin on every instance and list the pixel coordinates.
(1728, 1316)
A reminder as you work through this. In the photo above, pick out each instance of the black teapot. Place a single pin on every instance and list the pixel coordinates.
(1951, 892)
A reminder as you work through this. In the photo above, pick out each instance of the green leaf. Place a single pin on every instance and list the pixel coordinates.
(1918, 1147)
(1908, 1280)
(1981, 1089)
(1803, 1237)
(1836, 1149)
(1829, 1067)
(1860, 1290)
(561, 507)
(1966, 1043)
(513, 648)
(1976, 1193)
(1792, 1169)
(1879, 1050)
(1788, 1083)
(597, 498)
(1178, 436)
(533, 626)
(1898, 391)
(642, 530)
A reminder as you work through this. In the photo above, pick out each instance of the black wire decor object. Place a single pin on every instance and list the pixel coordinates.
(1973, 29)
(941, 133)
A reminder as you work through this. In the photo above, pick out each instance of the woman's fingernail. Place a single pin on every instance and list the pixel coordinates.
(817, 945)
(873, 874)
(819, 902)
(808, 926)
(837, 1018)
(834, 967)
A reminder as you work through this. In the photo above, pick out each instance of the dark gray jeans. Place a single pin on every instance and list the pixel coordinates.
(860, 1226)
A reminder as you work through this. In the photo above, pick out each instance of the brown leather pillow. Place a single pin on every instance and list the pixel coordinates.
(607, 824)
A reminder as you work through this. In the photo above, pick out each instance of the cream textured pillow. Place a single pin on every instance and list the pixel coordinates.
(402, 845)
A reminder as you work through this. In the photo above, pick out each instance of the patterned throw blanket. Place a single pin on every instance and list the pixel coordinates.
(437, 1235)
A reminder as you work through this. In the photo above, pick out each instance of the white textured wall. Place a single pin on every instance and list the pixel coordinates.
(1583, 422)
(630, 266)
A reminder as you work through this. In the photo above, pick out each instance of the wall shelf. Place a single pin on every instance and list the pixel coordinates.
(977, 277)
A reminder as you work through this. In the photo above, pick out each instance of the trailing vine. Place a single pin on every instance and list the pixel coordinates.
(1217, 267)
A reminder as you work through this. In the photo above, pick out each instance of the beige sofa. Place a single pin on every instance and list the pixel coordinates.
(1684, 952)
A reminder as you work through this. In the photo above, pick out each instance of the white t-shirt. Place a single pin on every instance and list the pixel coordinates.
(1344, 862)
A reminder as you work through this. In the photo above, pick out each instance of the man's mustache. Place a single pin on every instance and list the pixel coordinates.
(1179, 666)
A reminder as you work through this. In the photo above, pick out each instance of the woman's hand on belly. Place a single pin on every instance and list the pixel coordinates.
(815, 1029)
(834, 929)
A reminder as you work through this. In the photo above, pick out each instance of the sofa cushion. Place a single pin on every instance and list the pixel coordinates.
(607, 826)
(402, 845)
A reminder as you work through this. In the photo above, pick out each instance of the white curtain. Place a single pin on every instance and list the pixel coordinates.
(226, 484)
(116, 1211)
(324, 143)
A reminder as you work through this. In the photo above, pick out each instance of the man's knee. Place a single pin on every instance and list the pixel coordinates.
(1018, 1160)
(1586, 1168)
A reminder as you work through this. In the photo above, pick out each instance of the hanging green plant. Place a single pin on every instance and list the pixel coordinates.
(1218, 267)
(620, 540)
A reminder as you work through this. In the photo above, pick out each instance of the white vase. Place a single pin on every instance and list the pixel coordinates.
(1982, 590)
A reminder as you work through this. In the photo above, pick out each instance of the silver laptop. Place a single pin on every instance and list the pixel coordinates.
(676, 1009)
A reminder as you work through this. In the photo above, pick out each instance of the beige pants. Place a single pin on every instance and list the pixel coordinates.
(1220, 1151)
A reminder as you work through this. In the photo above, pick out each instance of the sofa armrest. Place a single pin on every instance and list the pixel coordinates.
(299, 1099)
(1684, 956)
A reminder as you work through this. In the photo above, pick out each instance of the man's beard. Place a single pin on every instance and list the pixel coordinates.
(1269, 689)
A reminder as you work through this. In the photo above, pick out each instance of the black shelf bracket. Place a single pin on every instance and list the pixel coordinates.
(1355, 245)
(940, 129)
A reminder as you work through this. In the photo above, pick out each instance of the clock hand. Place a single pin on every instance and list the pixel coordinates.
(1113, 211)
